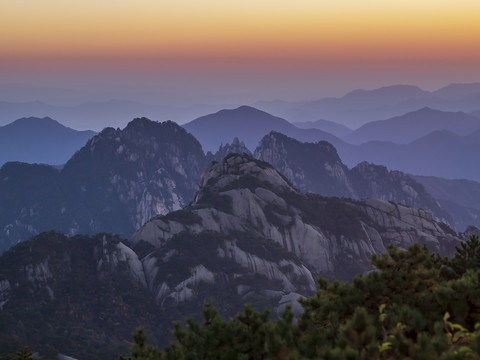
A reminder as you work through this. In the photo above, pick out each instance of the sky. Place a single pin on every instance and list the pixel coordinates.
(186, 52)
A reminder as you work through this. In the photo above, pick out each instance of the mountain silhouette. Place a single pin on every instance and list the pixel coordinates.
(362, 106)
(36, 140)
(248, 124)
(413, 125)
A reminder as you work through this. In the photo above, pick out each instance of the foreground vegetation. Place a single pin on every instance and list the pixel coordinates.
(415, 305)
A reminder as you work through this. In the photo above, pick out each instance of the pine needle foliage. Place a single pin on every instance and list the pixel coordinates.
(415, 305)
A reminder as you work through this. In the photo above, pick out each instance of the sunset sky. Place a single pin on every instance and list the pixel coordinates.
(188, 51)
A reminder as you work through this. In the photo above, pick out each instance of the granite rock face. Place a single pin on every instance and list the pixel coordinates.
(311, 167)
(331, 236)
(149, 168)
(248, 236)
(317, 168)
(237, 147)
(115, 183)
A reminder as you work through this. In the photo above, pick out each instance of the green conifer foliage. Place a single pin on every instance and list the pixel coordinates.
(415, 305)
(467, 256)
(141, 350)
(24, 354)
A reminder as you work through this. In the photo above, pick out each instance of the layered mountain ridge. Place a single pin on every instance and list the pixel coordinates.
(115, 183)
(359, 107)
(122, 178)
(248, 236)
(243, 194)
(414, 125)
(248, 124)
(317, 168)
(434, 151)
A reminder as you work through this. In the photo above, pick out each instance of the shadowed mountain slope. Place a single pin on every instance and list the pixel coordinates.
(461, 198)
(317, 168)
(333, 237)
(35, 140)
(115, 183)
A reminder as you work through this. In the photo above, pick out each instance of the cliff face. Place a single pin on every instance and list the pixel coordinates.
(123, 178)
(311, 167)
(248, 236)
(317, 168)
(333, 237)
(115, 183)
(375, 181)
(70, 295)
(236, 146)
(149, 168)
(84, 296)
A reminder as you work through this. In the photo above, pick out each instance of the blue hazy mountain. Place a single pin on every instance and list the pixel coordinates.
(459, 197)
(440, 153)
(362, 106)
(331, 127)
(248, 124)
(98, 115)
(35, 140)
(116, 182)
(413, 125)
(475, 113)
(458, 91)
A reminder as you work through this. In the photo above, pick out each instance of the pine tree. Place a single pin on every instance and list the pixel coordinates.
(24, 354)
(415, 305)
(467, 256)
(140, 349)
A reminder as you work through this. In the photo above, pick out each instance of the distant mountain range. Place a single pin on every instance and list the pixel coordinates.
(362, 106)
(414, 125)
(247, 124)
(98, 115)
(423, 142)
(439, 153)
(331, 127)
(461, 198)
(35, 140)
(352, 110)
(127, 176)
(122, 178)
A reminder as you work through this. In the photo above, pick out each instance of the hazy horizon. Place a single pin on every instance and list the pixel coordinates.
(213, 52)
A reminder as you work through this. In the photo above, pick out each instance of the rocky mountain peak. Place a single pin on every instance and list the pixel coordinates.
(317, 168)
(241, 171)
(375, 181)
(146, 126)
(312, 167)
(332, 236)
(123, 177)
(236, 146)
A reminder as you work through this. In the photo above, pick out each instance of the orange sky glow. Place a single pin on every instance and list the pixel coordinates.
(239, 35)
(341, 30)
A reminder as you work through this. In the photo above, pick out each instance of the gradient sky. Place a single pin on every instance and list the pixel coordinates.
(190, 51)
